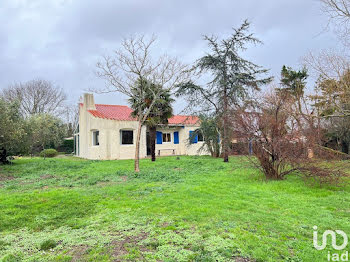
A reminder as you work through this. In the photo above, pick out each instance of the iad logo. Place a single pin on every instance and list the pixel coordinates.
(332, 256)
(334, 239)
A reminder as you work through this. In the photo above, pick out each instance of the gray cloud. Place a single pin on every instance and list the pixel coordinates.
(62, 40)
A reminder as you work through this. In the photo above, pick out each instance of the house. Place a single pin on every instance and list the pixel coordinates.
(109, 132)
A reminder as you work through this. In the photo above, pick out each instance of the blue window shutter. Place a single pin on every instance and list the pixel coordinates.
(159, 138)
(194, 140)
(176, 137)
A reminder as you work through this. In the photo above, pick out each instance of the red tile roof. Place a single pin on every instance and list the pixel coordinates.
(178, 119)
(123, 113)
(114, 112)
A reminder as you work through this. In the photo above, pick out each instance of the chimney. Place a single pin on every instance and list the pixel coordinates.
(89, 102)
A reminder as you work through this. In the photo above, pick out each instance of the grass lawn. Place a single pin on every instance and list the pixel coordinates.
(187, 209)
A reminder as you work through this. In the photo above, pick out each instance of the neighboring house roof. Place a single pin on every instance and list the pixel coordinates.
(123, 113)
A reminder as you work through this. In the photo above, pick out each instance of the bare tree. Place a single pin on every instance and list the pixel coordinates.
(338, 12)
(134, 65)
(337, 9)
(281, 145)
(333, 67)
(329, 64)
(70, 116)
(36, 96)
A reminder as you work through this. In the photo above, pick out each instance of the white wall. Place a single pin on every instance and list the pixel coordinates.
(110, 146)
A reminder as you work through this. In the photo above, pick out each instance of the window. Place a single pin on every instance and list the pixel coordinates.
(200, 137)
(166, 137)
(127, 137)
(95, 138)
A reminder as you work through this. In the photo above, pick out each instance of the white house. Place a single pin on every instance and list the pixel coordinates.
(109, 132)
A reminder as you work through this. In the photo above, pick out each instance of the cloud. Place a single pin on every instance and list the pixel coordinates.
(62, 40)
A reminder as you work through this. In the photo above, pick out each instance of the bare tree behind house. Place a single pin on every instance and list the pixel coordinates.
(36, 97)
(331, 67)
(134, 64)
(332, 95)
(70, 117)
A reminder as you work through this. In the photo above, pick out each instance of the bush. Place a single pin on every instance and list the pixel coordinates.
(48, 153)
(48, 244)
(67, 146)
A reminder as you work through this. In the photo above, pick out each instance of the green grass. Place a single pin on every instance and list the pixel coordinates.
(187, 209)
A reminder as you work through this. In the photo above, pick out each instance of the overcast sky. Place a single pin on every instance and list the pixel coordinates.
(61, 40)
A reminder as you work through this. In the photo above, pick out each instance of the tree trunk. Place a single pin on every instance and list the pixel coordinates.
(225, 138)
(137, 147)
(3, 156)
(152, 136)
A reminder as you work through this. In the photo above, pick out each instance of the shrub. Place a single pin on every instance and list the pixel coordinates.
(48, 153)
(48, 244)
(68, 146)
(285, 141)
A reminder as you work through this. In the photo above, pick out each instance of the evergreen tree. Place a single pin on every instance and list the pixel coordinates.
(11, 129)
(293, 81)
(231, 78)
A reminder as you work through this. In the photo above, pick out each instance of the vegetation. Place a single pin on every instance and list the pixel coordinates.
(33, 117)
(232, 77)
(67, 146)
(132, 69)
(45, 131)
(48, 244)
(36, 97)
(159, 113)
(187, 209)
(49, 153)
(11, 129)
(184, 208)
(211, 134)
(332, 103)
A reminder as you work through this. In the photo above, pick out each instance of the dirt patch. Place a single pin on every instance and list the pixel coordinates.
(108, 183)
(4, 177)
(105, 183)
(124, 178)
(120, 247)
(47, 176)
(77, 252)
(165, 224)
